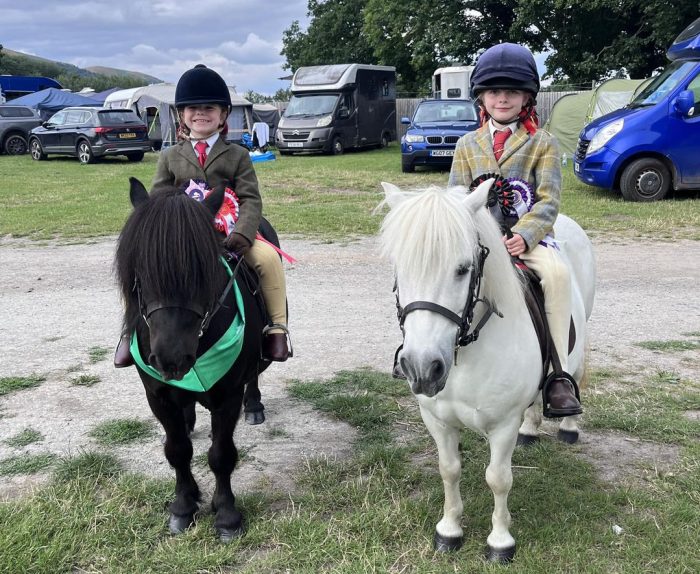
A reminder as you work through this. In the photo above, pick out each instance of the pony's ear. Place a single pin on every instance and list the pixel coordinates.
(478, 198)
(137, 192)
(392, 194)
(214, 200)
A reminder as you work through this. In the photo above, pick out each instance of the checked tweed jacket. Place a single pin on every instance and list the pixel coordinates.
(533, 158)
(227, 163)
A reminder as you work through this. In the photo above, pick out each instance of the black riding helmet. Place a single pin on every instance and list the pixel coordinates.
(201, 85)
(505, 66)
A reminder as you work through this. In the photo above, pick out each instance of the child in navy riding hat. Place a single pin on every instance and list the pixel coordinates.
(203, 155)
(505, 83)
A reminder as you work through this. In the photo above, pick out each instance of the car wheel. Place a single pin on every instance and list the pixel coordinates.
(85, 154)
(136, 156)
(36, 150)
(384, 141)
(408, 167)
(646, 179)
(337, 147)
(285, 152)
(15, 145)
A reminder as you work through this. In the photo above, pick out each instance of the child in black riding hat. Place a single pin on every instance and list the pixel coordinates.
(505, 83)
(203, 101)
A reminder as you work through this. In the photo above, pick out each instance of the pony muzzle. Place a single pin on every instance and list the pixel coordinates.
(426, 377)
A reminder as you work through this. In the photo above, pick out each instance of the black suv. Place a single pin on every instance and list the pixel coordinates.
(15, 124)
(88, 133)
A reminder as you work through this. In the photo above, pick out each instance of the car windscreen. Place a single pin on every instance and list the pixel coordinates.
(117, 118)
(662, 84)
(445, 111)
(312, 105)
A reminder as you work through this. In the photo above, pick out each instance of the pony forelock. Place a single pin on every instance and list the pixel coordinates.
(429, 231)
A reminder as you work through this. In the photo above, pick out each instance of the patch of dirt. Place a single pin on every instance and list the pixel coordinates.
(59, 301)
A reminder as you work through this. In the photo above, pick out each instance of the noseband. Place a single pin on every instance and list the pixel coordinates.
(205, 315)
(465, 334)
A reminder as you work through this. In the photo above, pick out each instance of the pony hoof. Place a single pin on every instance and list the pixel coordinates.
(567, 436)
(446, 543)
(227, 535)
(500, 556)
(527, 439)
(255, 418)
(178, 524)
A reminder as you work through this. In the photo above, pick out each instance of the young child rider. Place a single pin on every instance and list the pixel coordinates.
(505, 83)
(203, 102)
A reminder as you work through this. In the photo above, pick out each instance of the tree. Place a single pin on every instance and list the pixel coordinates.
(587, 41)
(335, 36)
(602, 38)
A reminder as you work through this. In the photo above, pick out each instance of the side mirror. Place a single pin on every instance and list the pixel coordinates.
(343, 113)
(405, 120)
(47, 125)
(685, 102)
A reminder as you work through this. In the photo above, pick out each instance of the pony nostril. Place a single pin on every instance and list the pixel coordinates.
(437, 370)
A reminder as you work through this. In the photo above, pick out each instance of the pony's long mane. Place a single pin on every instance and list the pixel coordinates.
(170, 244)
(431, 230)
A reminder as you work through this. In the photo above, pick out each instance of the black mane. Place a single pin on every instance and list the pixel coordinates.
(170, 244)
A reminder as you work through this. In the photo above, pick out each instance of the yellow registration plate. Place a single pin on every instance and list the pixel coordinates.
(127, 135)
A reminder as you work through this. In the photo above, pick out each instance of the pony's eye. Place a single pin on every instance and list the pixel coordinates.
(462, 270)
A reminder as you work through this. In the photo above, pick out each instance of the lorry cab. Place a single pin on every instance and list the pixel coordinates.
(337, 107)
(653, 143)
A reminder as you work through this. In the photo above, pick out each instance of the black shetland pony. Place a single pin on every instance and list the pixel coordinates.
(179, 301)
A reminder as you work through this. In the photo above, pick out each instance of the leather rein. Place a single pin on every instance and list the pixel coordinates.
(205, 315)
(465, 334)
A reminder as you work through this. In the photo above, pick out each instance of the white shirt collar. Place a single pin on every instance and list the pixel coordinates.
(513, 127)
(211, 140)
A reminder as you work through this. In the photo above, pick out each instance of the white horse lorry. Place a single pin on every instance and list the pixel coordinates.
(452, 82)
(338, 107)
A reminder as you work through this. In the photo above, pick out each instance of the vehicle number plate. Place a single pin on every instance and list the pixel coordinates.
(127, 135)
(577, 167)
(295, 144)
(442, 152)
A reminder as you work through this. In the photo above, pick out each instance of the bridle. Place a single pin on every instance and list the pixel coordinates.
(465, 334)
(205, 315)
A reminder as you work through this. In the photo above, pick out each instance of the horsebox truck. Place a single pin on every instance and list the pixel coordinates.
(652, 144)
(337, 107)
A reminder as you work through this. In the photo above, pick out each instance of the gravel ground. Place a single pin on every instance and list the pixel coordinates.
(59, 301)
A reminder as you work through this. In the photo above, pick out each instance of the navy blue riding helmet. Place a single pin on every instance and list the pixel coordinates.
(505, 66)
(201, 85)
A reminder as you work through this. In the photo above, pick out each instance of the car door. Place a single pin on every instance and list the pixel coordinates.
(684, 145)
(50, 133)
(68, 132)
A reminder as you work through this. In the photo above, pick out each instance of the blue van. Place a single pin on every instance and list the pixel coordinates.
(653, 143)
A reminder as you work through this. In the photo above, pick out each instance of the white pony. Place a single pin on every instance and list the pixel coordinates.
(470, 351)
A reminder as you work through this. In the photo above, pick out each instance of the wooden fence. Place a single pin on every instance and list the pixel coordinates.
(406, 106)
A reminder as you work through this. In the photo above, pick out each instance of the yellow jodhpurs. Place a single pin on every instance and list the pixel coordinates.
(556, 285)
(269, 268)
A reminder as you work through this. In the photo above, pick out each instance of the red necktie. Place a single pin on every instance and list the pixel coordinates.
(499, 142)
(201, 148)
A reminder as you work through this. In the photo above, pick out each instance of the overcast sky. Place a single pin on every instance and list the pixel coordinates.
(240, 39)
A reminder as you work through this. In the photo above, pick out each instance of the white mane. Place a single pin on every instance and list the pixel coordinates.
(431, 230)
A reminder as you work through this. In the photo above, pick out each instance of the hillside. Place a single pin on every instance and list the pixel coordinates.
(70, 76)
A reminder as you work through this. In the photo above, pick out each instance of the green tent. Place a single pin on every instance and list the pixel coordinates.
(572, 112)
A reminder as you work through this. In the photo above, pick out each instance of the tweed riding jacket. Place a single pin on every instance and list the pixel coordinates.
(227, 163)
(533, 158)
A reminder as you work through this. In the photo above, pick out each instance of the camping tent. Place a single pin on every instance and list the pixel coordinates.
(268, 114)
(51, 100)
(572, 112)
(156, 106)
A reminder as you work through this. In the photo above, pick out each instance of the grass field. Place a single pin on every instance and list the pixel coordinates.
(324, 197)
(374, 512)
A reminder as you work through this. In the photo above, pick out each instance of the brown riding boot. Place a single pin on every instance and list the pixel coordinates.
(274, 346)
(122, 356)
(560, 398)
